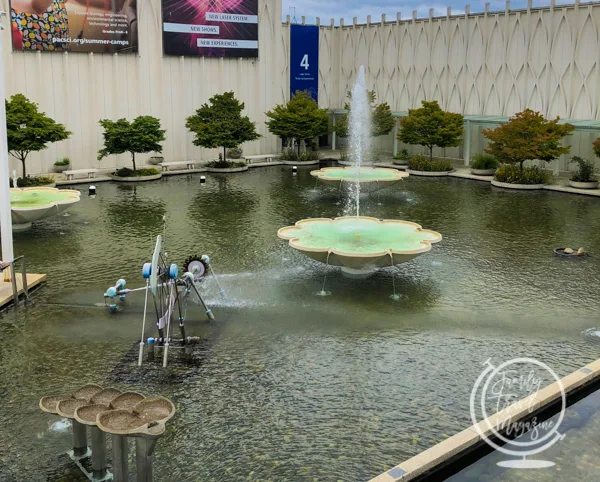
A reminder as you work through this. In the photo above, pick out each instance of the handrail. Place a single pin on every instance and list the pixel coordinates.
(24, 285)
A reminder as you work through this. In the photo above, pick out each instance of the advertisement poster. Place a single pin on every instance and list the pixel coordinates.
(102, 26)
(210, 28)
(304, 61)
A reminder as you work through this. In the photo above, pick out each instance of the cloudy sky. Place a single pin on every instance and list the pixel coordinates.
(347, 9)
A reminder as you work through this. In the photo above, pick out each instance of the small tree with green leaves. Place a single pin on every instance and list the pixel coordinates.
(430, 126)
(299, 119)
(382, 120)
(527, 136)
(29, 130)
(221, 124)
(142, 135)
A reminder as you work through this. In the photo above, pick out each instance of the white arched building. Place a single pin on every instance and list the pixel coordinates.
(485, 65)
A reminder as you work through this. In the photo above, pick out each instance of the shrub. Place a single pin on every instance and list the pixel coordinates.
(382, 120)
(288, 154)
(481, 160)
(423, 163)
(596, 147)
(221, 164)
(32, 181)
(309, 156)
(127, 172)
(402, 155)
(344, 155)
(585, 173)
(513, 174)
(64, 162)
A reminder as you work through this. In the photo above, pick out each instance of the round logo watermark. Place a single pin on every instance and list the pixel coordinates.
(513, 385)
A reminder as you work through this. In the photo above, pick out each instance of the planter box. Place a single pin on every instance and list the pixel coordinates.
(61, 168)
(522, 187)
(156, 160)
(429, 173)
(483, 172)
(227, 169)
(153, 177)
(584, 185)
(301, 163)
(400, 162)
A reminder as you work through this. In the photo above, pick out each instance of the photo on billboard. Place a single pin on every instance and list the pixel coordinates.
(210, 28)
(100, 26)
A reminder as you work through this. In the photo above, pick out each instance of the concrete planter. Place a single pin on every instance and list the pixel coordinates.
(153, 177)
(584, 185)
(156, 160)
(400, 162)
(522, 187)
(61, 168)
(227, 169)
(429, 173)
(483, 172)
(302, 163)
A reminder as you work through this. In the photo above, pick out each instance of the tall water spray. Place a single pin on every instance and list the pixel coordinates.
(360, 135)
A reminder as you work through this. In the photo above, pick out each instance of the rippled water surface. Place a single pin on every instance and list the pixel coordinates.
(287, 385)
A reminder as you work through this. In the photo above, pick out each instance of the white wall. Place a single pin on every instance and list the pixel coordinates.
(500, 63)
(78, 89)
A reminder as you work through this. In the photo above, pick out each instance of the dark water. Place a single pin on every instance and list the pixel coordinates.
(287, 385)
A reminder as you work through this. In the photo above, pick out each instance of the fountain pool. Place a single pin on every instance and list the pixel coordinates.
(286, 385)
(35, 203)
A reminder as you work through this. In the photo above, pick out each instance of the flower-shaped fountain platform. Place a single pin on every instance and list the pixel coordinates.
(34, 203)
(359, 244)
(370, 178)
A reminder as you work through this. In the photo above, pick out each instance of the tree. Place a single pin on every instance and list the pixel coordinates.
(299, 119)
(29, 130)
(596, 147)
(431, 127)
(382, 120)
(142, 135)
(221, 124)
(528, 136)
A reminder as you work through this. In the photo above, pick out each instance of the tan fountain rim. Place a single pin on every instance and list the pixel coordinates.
(321, 174)
(288, 233)
(73, 197)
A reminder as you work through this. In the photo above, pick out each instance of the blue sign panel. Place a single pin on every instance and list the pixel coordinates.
(304, 62)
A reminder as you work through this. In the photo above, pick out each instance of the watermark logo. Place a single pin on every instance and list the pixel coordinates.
(512, 387)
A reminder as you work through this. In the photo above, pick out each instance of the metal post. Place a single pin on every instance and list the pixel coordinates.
(144, 448)
(13, 274)
(5, 214)
(24, 279)
(120, 458)
(467, 143)
(79, 439)
(99, 469)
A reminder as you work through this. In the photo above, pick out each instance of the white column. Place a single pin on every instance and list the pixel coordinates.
(5, 216)
(395, 136)
(467, 143)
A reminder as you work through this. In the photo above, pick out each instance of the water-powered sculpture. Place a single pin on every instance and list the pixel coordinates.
(170, 294)
(359, 244)
(120, 414)
(31, 204)
(370, 178)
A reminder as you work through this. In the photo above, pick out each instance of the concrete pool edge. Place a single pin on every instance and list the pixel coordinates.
(463, 442)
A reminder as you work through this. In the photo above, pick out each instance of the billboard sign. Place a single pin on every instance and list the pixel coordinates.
(102, 26)
(210, 28)
(304, 59)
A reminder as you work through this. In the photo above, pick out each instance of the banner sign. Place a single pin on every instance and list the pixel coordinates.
(304, 61)
(74, 25)
(210, 28)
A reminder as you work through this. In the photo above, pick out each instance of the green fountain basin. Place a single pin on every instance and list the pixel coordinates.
(35, 203)
(370, 178)
(359, 242)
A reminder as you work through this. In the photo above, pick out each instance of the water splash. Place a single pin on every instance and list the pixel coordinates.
(360, 136)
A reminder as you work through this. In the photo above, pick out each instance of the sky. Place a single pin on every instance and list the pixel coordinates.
(347, 9)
